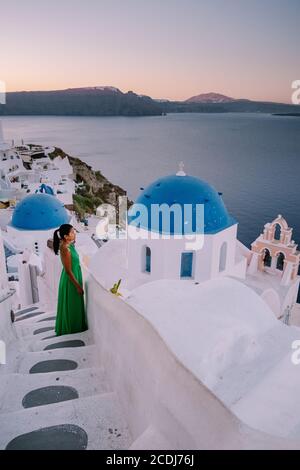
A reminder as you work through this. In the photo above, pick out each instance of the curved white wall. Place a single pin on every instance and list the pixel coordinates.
(271, 298)
(157, 393)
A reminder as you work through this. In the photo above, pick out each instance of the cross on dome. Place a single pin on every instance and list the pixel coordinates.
(181, 171)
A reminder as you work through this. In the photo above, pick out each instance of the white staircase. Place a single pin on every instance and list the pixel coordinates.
(54, 393)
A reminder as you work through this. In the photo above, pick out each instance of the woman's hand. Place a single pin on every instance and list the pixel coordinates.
(80, 290)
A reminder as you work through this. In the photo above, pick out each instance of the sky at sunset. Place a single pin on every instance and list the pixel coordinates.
(171, 49)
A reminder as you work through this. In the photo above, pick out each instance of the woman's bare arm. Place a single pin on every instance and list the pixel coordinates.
(67, 262)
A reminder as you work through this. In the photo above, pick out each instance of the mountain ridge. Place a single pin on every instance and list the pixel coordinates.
(111, 101)
(210, 97)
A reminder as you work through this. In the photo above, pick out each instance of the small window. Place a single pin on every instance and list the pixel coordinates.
(148, 260)
(187, 264)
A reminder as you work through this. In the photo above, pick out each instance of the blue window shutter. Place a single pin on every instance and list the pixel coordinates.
(187, 264)
(148, 260)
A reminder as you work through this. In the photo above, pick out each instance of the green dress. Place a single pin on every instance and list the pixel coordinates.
(70, 316)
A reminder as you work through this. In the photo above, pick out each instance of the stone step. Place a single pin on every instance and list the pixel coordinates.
(34, 314)
(29, 326)
(31, 306)
(29, 330)
(48, 339)
(15, 387)
(26, 311)
(31, 362)
(93, 423)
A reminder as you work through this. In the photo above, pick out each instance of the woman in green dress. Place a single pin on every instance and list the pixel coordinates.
(71, 315)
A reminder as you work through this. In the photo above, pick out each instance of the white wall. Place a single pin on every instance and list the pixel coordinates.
(291, 297)
(7, 330)
(227, 236)
(271, 297)
(155, 390)
(24, 284)
(28, 238)
(3, 272)
(53, 268)
(166, 256)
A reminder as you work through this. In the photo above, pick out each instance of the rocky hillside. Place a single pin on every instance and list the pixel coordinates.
(96, 188)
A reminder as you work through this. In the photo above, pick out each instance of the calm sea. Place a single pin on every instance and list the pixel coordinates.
(254, 159)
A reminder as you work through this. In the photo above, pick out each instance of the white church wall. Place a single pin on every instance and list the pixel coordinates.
(203, 263)
(291, 297)
(136, 255)
(271, 297)
(29, 238)
(172, 250)
(166, 256)
(228, 237)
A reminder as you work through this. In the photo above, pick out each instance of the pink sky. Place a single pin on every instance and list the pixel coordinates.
(172, 49)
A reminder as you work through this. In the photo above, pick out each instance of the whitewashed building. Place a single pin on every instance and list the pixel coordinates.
(167, 240)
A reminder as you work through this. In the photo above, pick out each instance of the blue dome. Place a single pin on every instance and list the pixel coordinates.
(45, 189)
(182, 190)
(39, 212)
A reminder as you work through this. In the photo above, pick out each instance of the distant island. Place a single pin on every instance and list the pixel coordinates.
(110, 101)
(287, 114)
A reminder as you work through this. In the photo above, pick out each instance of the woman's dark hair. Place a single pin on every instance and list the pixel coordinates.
(59, 235)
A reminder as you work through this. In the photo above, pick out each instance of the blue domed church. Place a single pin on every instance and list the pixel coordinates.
(178, 229)
(34, 220)
(181, 191)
